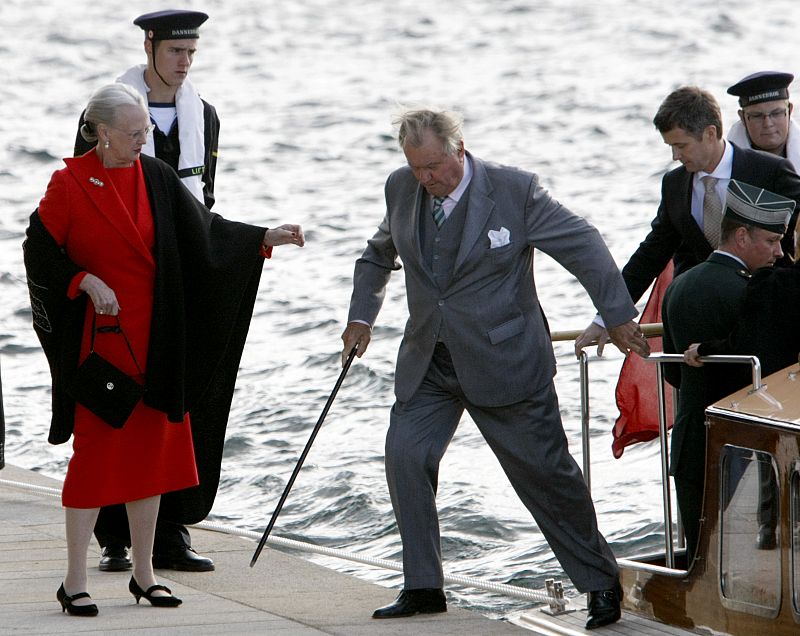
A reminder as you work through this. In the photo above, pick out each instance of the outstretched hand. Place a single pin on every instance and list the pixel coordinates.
(286, 234)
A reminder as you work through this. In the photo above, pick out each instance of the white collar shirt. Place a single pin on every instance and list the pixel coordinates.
(452, 199)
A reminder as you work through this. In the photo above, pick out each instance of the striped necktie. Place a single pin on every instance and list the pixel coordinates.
(438, 211)
(712, 212)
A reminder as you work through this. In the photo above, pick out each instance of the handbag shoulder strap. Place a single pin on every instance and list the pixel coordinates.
(115, 329)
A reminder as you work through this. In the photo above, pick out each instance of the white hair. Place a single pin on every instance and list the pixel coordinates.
(104, 105)
(445, 124)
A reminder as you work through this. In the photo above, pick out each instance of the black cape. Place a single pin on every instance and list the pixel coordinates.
(207, 275)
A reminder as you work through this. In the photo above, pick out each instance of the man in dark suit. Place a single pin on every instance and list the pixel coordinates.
(690, 124)
(705, 303)
(476, 339)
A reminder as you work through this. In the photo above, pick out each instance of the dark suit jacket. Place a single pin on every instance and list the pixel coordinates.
(703, 303)
(769, 324)
(675, 234)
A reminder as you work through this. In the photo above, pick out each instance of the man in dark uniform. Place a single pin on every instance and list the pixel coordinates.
(705, 303)
(186, 133)
(185, 136)
(767, 326)
(690, 123)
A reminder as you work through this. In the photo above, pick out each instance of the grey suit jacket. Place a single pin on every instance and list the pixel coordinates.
(495, 329)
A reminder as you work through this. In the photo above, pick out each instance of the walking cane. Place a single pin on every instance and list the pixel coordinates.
(297, 468)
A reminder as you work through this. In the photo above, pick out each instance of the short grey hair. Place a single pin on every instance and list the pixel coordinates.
(445, 124)
(104, 105)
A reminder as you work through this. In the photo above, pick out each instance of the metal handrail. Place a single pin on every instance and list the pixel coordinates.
(584, 374)
(751, 360)
(666, 495)
(650, 330)
(659, 359)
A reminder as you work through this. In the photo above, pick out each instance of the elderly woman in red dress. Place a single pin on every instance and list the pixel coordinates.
(118, 237)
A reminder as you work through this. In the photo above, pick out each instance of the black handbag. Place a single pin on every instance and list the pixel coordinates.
(101, 387)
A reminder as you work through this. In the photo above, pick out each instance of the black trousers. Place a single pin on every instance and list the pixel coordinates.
(112, 529)
(690, 503)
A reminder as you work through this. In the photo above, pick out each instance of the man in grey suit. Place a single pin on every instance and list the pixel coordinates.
(476, 339)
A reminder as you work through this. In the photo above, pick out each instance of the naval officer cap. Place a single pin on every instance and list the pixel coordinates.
(749, 204)
(765, 86)
(172, 24)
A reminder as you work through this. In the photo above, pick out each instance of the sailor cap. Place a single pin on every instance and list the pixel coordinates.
(749, 204)
(172, 24)
(764, 86)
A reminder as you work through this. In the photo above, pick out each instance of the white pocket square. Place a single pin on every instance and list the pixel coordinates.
(499, 238)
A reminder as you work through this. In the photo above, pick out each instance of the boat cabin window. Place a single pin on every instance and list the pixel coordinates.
(750, 561)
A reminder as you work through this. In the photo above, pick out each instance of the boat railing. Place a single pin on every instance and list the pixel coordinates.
(650, 331)
(666, 358)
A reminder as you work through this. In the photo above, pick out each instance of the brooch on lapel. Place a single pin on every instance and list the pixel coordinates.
(96, 181)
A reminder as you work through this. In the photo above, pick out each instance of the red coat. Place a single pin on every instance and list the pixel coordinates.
(187, 304)
(84, 213)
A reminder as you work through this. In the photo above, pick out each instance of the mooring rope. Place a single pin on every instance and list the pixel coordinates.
(512, 591)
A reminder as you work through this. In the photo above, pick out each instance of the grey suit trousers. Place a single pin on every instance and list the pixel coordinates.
(528, 440)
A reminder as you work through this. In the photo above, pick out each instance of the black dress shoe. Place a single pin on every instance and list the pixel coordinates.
(155, 601)
(67, 604)
(410, 602)
(115, 558)
(766, 539)
(184, 559)
(604, 607)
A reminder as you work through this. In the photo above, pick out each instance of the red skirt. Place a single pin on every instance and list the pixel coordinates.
(148, 456)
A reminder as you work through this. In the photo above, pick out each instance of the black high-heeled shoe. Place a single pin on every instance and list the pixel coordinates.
(155, 601)
(76, 610)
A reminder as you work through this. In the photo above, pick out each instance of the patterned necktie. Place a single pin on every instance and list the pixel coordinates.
(438, 211)
(712, 211)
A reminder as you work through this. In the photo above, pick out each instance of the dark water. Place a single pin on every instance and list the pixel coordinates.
(306, 91)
